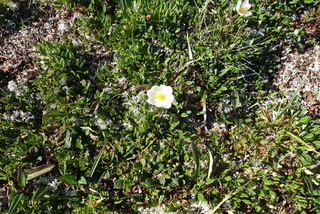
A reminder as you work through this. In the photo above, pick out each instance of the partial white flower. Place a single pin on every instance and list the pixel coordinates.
(13, 6)
(54, 184)
(102, 124)
(121, 80)
(202, 207)
(27, 116)
(17, 88)
(12, 86)
(127, 125)
(62, 26)
(160, 96)
(243, 8)
(225, 105)
(63, 82)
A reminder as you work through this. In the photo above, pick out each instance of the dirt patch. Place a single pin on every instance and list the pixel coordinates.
(29, 24)
(301, 71)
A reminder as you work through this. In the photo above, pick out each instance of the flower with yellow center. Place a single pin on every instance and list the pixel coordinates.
(160, 96)
(243, 8)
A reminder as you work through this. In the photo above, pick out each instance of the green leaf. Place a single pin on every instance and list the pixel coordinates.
(82, 180)
(70, 179)
(118, 184)
(196, 158)
(174, 125)
(40, 170)
(162, 180)
(305, 120)
(228, 178)
(137, 166)
(184, 114)
(138, 197)
(151, 183)
(2, 172)
(235, 99)
(14, 203)
(247, 201)
(57, 114)
(201, 197)
(170, 208)
(174, 182)
(143, 162)
(22, 178)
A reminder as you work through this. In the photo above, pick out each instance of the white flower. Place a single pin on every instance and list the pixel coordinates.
(160, 96)
(243, 8)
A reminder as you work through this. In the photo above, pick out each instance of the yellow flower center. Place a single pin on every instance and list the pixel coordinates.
(242, 9)
(160, 96)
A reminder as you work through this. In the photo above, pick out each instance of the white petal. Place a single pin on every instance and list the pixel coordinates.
(167, 105)
(247, 14)
(238, 5)
(151, 101)
(247, 6)
(166, 89)
(170, 98)
(154, 88)
(158, 103)
(151, 93)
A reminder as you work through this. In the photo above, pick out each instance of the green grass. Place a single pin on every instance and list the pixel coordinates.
(99, 147)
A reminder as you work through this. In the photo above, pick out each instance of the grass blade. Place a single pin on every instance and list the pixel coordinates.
(227, 197)
(196, 157)
(40, 192)
(14, 203)
(96, 161)
(57, 114)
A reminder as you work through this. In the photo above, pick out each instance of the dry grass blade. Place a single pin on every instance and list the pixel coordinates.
(210, 164)
(40, 170)
(301, 141)
(227, 197)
